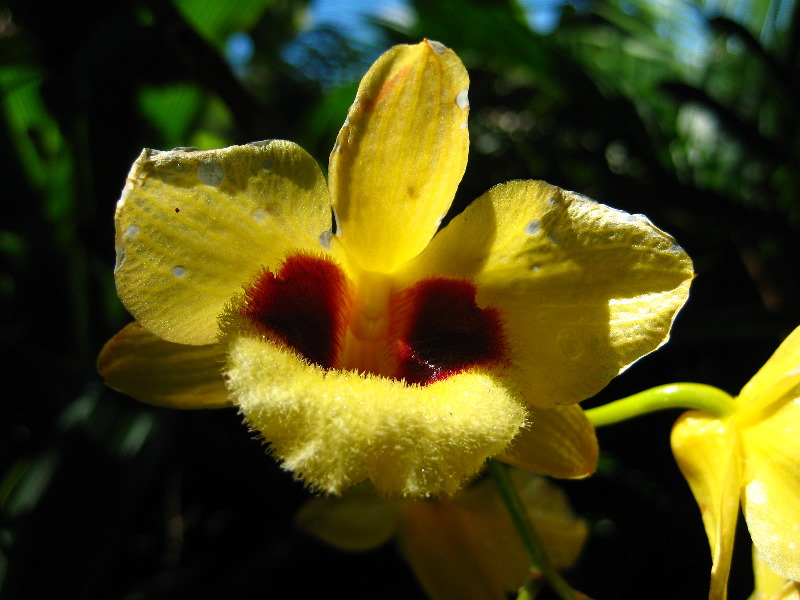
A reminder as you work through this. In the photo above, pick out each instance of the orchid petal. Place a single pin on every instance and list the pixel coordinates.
(771, 498)
(467, 548)
(336, 428)
(192, 227)
(142, 365)
(770, 585)
(708, 453)
(357, 520)
(400, 155)
(778, 379)
(585, 290)
(559, 442)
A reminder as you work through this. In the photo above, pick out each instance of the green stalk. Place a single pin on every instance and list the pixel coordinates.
(537, 559)
(696, 396)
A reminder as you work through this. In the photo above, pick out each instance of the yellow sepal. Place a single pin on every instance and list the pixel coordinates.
(192, 227)
(142, 365)
(467, 548)
(559, 442)
(771, 480)
(400, 155)
(708, 452)
(775, 383)
(585, 290)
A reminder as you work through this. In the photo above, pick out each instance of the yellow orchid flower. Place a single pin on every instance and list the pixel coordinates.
(371, 348)
(751, 455)
(463, 546)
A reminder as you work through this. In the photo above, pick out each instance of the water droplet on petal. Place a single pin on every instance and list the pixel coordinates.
(462, 99)
(210, 172)
(533, 227)
(178, 271)
(325, 239)
(437, 47)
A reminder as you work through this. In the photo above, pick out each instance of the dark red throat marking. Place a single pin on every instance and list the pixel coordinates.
(446, 332)
(307, 303)
(437, 328)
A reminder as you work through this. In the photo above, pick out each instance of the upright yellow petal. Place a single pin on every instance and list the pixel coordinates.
(771, 499)
(400, 155)
(559, 442)
(192, 227)
(708, 453)
(778, 379)
(142, 365)
(585, 290)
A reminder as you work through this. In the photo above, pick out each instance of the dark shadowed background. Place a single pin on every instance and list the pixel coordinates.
(686, 112)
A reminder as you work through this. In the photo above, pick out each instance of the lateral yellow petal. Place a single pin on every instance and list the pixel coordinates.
(192, 227)
(142, 365)
(559, 442)
(358, 520)
(400, 155)
(337, 428)
(709, 455)
(467, 548)
(777, 379)
(770, 585)
(771, 498)
(585, 290)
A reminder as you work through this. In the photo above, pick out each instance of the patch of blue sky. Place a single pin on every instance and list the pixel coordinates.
(543, 16)
(347, 23)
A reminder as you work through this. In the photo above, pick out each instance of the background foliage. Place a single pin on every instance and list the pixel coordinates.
(686, 112)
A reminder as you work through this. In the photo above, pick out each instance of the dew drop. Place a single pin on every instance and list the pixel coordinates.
(210, 172)
(462, 99)
(437, 47)
(120, 258)
(325, 239)
(131, 231)
(178, 271)
(533, 227)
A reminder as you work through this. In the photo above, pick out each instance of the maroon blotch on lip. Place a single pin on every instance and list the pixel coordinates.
(305, 303)
(446, 331)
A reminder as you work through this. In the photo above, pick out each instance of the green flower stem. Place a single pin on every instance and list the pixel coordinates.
(537, 559)
(697, 396)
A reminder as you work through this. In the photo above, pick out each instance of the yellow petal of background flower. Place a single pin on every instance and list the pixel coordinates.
(559, 442)
(708, 453)
(770, 585)
(336, 428)
(140, 364)
(192, 227)
(585, 289)
(777, 379)
(467, 548)
(400, 155)
(771, 498)
(357, 520)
